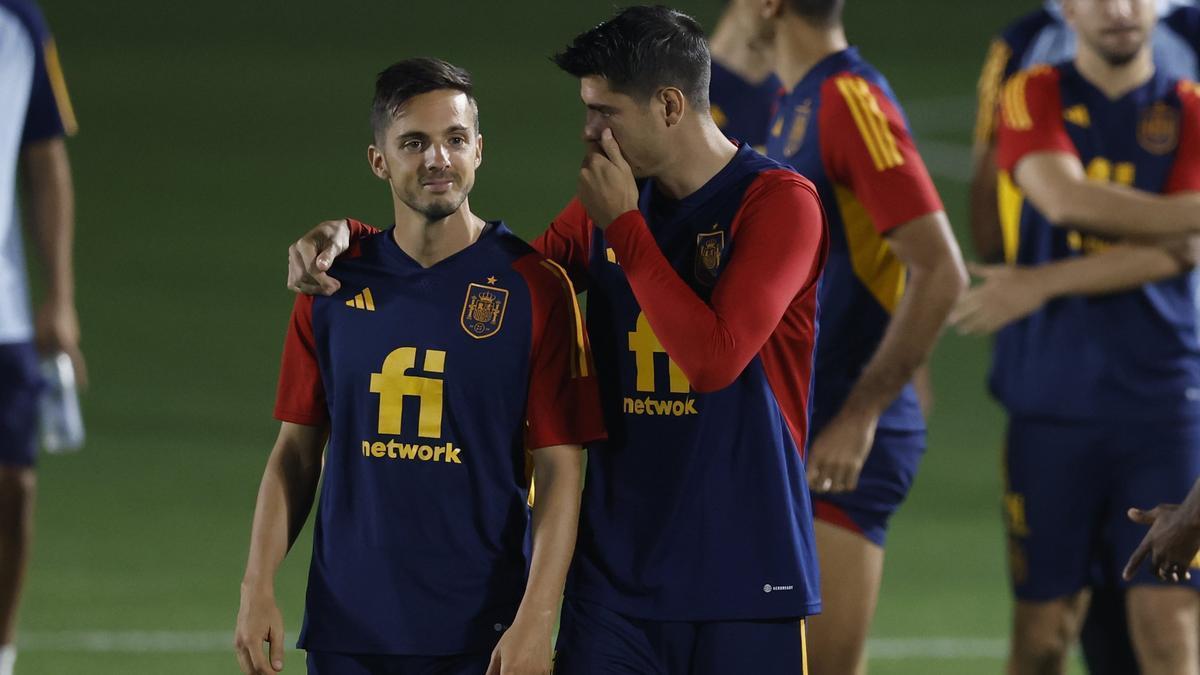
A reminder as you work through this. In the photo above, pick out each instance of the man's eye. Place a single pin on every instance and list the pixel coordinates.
(458, 141)
(413, 146)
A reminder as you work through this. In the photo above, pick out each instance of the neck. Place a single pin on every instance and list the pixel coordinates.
(429, 243)
(1114, 81)
(799, 46)
(702, 152)
(731, 48)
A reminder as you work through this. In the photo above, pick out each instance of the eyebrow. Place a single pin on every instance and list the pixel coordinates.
(457, 128)
(600, 108)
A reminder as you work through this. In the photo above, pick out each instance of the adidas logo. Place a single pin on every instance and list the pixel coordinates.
(1078, 115)
(362, 301)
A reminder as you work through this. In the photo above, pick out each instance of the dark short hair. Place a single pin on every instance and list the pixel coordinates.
(818, 12)
(409, 78)
(641, 50)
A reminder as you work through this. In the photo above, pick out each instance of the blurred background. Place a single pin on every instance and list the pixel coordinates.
(215, 133)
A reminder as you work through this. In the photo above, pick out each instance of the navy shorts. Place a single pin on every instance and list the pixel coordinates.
(334, 663)
(20, 386)
(593, 640)
(884, 482)
(1067, 491)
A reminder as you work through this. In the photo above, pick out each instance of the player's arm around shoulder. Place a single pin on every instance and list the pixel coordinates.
(285, 497)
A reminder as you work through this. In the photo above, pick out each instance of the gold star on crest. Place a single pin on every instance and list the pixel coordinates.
(491, 281)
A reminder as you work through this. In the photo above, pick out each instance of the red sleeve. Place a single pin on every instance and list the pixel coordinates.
(780, 241)
(1185, 172)
(358, 230)
(996, 68)
(563, 404)
(866, 147)
(1031, 118)
(300, 397)
(568, 242)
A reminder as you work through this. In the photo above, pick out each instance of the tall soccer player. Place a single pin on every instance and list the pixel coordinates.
(893, 275)
(1100, 390)
(451, 349)
(743, 90)
(35, 115)
(700, 259)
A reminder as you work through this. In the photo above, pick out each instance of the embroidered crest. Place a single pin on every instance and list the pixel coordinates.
(709, 246)
(1158, 130)
(799, 128)
(483, 310)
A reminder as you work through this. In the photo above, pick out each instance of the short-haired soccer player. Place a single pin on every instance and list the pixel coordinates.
(743, 90)
(451, 348)
(894, 273)
(1100, 389)
(700, 259)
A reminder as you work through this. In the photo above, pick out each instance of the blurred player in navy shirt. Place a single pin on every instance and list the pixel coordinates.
(743, 91)
(700, 259)
(1098, 364)
(452, 362)
(35, 116)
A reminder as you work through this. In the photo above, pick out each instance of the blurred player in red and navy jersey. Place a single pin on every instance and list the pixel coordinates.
(744, 90)
(1099, 365)
(452, 348)
(893, 275)
(700, 259)
(35, 115)
(1042, 37)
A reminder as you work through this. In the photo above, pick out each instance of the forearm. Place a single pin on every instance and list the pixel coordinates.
(986, 235)
(1115, 210)
(1121, 267)
(285, 497)
(909, 339)
(50, 205)
(558, 476)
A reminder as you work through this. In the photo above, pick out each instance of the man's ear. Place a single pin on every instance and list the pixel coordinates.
(674, 105)
(378, 162)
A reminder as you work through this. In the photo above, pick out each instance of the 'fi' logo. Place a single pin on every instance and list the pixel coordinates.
(483, 310)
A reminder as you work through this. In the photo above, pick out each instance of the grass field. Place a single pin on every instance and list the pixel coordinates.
(213, 133)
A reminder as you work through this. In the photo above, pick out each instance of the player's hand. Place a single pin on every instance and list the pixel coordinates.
(56, 329)
(524, 649)
(259, 621)
(1005, 295)
(313, 254)
(836, 456)
(606, 185)
(1171, 544)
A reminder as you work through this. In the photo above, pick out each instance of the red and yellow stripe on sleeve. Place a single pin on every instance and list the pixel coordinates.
(991, 81)
(1014, 106)
(580, 364)
(58, 84)
(871, 122)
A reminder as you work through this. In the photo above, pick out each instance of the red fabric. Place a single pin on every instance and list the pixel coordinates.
(563, 403)
(300, 398)
(1042, 108)
(893, 195)
(359, 230)
(568, 242)
(781, 243)
(1185, 172)
(832, 514)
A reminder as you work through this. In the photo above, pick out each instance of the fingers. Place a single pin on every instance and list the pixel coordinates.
(981, 270)
(612, 150)
(494, 664)
(275, 641)
(1143, 517)
(833, 476)
(80, 366)
(1138, 557)
(243, 658)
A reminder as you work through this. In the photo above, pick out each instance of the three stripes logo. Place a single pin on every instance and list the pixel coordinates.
(872, 122)
(362, 301)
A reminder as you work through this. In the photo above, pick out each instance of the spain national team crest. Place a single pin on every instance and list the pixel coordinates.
(709, 246)
(483, 310)
(1158, 130)
(799, 128)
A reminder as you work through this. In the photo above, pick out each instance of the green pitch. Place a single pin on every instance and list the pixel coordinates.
(213, 133)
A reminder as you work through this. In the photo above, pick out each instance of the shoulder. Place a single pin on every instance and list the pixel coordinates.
(1029, 88)
(29, 16)
(546, 279)
(780, 184)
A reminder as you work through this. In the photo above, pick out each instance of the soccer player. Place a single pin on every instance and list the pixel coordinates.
(893, 275)
(35, 116)
(452, 348)
(1099, 390)
(700, 259)
(743, 91)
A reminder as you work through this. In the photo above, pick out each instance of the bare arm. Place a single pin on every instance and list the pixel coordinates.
(285, 497)
(50, 203)
(558, 475)
(936, 279)
(986, 235)
(1008, 294)
(1173, 540)
(1055, 182)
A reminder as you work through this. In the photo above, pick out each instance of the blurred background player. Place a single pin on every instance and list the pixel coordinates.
(893, 275)
(744, 90)
(704, 350)
(35, 115)
(452, 348)
(1100, 390)
(1044, 37)
(1171, 545)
